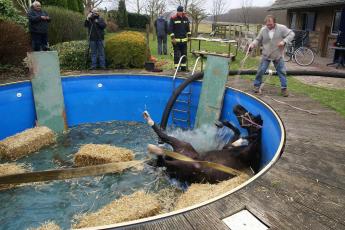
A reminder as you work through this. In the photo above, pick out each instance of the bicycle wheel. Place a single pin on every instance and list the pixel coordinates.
(287, 55)
(304, 56)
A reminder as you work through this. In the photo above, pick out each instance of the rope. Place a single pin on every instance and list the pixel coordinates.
(294, 107)
(207, 164)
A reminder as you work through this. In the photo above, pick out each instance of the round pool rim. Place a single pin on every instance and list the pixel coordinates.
(264, 170)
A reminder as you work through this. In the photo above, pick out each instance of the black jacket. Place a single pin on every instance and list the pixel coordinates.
(36, 24)
(179, 27)
(96, 28)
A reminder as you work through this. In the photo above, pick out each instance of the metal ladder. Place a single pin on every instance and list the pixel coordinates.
(181, 111)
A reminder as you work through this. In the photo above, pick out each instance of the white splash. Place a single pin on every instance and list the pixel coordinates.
(204, 139)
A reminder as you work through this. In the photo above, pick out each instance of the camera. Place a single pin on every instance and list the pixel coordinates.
(94, 15)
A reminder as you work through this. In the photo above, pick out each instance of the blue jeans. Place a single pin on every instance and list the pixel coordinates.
(97, 49)
(280, 68)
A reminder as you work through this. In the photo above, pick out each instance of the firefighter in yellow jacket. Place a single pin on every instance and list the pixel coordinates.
(180, 34)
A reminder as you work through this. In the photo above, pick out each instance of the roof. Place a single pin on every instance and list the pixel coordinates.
(293, 4)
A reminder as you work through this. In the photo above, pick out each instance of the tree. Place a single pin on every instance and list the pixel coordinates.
(73, 5)
(185, 3)
(153, 9)
(246, 5)
(122, 17)
(137, 5)
(24, 4)
(197, 13)
(218, 7)
(91, 4)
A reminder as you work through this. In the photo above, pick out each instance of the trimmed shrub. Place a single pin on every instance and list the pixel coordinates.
(14, 43)
(126, 50)
(9, 13)
(138, 21)
(72, 54)
(66, 25)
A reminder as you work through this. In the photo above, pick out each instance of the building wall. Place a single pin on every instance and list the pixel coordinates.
(324, 18)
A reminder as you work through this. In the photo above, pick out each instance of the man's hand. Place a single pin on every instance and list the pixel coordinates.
(281, 44)
(89, 16)
(44, 17)
(251, 46)
(174, 41)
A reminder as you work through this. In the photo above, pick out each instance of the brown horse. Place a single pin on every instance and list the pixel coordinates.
(240, 153)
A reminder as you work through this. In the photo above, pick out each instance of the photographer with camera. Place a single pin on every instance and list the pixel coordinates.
(96, 26)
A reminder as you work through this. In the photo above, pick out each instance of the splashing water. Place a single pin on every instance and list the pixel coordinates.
(206, 138)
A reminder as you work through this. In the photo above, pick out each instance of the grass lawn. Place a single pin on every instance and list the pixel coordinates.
(166, 62)
(332, 98)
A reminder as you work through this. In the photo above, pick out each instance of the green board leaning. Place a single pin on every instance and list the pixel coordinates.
(47, 90)
(212, 91)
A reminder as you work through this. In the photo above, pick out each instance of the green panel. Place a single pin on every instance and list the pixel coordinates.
(47, 90)
(212, 92)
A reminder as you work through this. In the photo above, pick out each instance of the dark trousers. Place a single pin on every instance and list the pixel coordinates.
(39, 41)
(180, 48)
(162, 42)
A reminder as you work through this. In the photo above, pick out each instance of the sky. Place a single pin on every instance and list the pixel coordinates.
(231, 4)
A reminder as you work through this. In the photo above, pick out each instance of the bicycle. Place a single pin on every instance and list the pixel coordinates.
(303, 55)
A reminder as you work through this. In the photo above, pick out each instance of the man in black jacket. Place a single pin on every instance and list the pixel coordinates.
(96, 26)
(38, 27)
(180, 35)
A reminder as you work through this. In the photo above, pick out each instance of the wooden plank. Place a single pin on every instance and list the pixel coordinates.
(174, 222)
(47, 90)
(212, 92)
(67, 173)
(205, 218)
(324, 200)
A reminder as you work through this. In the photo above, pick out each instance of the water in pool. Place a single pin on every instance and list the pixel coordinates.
(31, 205)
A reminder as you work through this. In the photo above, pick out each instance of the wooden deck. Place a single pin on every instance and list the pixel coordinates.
(304, 190)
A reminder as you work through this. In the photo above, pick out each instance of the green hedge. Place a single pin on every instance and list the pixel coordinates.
(65, 25)
(9, 13)
(126, 50)
(72, 54)
(138, 21)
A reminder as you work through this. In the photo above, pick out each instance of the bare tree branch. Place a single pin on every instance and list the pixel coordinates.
(24, 4)
(246, 5)
(219, 7)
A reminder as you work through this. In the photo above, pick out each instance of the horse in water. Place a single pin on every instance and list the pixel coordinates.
(240, 153)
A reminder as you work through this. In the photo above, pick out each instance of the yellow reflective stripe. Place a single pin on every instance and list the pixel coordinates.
(176, 65)
(189, 33)
(172, 34)
(181, 39)
(177, 22)
(183, 64)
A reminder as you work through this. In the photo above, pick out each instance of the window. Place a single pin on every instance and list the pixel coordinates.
(293, 21)
(336, 22)
(309, 20)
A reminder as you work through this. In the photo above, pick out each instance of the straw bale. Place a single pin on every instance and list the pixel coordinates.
(168, 197)
(130, 207)
(26, 142)
(94, 154)
(11, 168)
(48, 225)
(198, 193)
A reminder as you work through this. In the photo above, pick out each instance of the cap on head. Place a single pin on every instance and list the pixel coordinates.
(180, 9)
